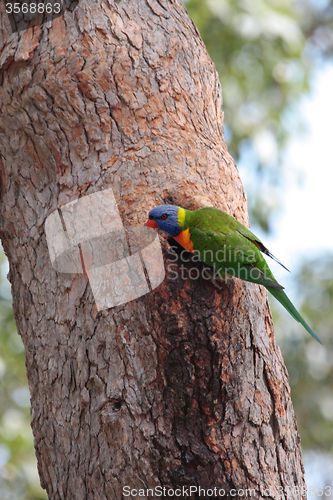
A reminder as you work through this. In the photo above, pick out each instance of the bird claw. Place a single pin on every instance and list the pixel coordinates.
(216, 278)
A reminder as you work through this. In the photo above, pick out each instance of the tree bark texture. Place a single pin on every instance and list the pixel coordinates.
(183, 386)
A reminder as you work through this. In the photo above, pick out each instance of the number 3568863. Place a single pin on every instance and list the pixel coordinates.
(33, 8)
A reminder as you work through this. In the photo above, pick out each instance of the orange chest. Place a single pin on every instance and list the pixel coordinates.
(184, 239)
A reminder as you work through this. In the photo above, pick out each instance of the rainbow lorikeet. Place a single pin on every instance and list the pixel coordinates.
(222, 242)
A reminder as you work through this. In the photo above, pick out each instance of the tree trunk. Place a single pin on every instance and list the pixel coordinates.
(184, 386)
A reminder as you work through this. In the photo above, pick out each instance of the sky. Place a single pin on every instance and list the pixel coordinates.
(306, 223)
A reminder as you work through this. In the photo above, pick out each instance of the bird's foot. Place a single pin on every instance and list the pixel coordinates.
(218, 279)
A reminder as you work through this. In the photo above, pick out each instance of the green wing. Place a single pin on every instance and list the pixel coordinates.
(244, 231)
(231, 253)
(224, 243)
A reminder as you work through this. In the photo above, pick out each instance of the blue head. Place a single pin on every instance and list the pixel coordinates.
(165, 217)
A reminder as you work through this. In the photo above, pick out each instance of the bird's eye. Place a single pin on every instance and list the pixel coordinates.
(164, 216)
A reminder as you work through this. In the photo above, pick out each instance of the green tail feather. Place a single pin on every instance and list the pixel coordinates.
(283, 299)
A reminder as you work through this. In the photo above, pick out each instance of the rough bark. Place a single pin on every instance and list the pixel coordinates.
(184, 386)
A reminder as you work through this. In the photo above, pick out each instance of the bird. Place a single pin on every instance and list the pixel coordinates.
(222, 242)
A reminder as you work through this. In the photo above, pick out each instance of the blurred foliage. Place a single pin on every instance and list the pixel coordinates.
(18, 472)
(265, 52)
(310, 365)
(317, 24)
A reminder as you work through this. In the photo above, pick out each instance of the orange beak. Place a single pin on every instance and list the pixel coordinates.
(152, 223)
